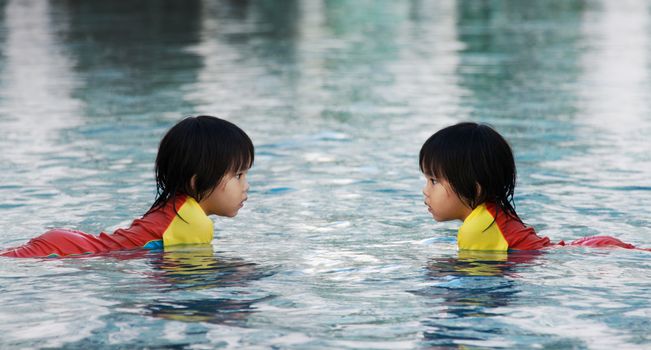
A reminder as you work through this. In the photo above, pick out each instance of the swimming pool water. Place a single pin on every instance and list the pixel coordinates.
(334, 248)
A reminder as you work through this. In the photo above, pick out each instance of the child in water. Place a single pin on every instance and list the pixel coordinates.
(201, 170)
(470, 173)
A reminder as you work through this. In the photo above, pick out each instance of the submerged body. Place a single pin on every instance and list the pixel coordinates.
(486, 228)
(156, 229)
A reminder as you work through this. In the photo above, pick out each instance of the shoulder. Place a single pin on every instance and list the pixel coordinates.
(518, 235)
(190, 224)
(479, 232)
(506, 222)
(156, 220)
(479, 220)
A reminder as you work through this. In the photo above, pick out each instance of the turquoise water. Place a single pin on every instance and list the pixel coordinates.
(334, 248)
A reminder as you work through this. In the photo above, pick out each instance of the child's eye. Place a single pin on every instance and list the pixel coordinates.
(433, 180)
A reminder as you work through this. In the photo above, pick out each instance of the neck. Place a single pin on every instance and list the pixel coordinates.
(465, 212)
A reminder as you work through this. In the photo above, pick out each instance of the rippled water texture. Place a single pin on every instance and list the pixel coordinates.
(334, 248)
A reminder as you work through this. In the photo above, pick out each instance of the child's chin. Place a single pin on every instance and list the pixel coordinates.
(439, 219)
(228, 215)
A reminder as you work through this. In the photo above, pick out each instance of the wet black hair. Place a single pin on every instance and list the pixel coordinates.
(204, 147)
(476, 161)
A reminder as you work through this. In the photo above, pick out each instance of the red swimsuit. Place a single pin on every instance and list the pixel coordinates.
(486, 229)
(161, 227)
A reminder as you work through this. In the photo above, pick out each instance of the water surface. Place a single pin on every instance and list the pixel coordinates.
(334, 249)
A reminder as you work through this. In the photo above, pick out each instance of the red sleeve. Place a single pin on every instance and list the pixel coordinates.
(63, 242)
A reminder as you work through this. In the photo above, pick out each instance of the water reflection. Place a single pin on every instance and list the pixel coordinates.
(614, 66)
(509, 49)
(133, 55)
(615, 104)
(38, 106)
(481, 263)
(608, 173)
(466, 291)
(430, 86)
(258, 37)
(192, 280)
(130, 62)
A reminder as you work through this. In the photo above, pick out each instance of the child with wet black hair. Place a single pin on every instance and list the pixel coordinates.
(470, 176)
(201, 170)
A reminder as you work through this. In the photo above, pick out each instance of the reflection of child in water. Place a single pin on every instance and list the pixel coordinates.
(466, 290)
(201, 170)
(187, 269)
(470, 173)
(482, 263)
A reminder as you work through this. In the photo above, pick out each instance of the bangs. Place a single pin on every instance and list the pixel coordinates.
(241, 159)
(430, 161)
(448, 155)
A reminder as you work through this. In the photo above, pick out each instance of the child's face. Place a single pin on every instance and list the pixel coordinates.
(228, 196)
(442, 202)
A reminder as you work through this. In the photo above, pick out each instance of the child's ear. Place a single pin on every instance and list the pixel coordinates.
(478, 189)
(193, 183)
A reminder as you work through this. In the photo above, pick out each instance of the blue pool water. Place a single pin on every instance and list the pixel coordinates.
(334, 248)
